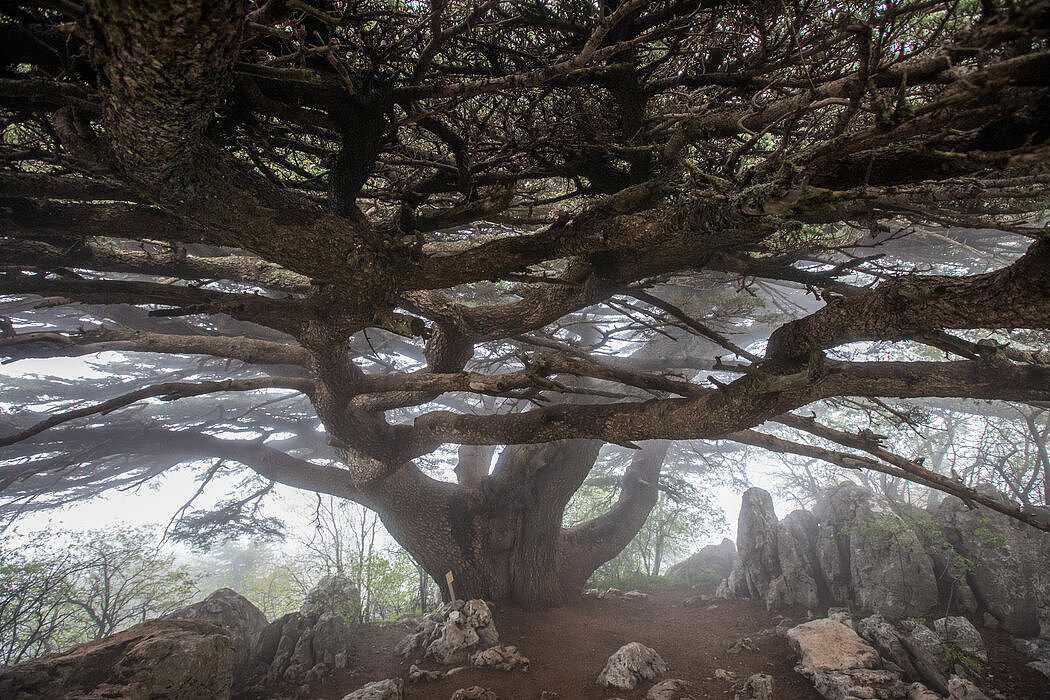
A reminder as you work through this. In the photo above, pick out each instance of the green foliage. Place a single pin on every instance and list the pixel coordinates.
(682, 515)
(961, 652)
(96, 584)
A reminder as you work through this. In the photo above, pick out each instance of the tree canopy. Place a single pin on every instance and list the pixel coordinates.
(444, 227)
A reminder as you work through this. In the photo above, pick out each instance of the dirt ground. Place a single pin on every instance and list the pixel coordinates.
(568, 646)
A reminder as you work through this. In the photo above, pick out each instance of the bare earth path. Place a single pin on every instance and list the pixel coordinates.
(568, 646)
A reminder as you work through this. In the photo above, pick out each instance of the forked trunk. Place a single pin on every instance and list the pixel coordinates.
(503, 539)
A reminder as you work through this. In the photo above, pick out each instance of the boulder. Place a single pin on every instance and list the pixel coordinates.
(389, 689)
(629, 664)
(706, 569)
(826, 645)
(240, 618)
(334, 595)
(163, 659)
(840, 664)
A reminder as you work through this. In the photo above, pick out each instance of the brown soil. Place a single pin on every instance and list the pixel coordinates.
(568, 646)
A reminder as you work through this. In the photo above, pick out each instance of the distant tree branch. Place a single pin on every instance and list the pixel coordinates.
(169, 391)
(61, 344)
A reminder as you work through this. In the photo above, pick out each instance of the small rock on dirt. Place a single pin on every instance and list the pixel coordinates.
(759, 687)
(671, 689)
(388, 689)
(631, 663)
(474, 692)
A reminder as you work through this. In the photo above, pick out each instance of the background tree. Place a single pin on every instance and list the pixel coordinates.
(92, 585)
(520, 228)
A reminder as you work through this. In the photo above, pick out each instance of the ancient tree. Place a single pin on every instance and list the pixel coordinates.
(513, 231)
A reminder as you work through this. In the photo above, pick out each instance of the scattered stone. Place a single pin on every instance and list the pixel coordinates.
(452, 633)
(742, 644)
(474, 692)
(916, 653)
(185, 658)
(611, 593)
(671, 689)
(504, 658)
(631, 663)
(592, 593)
(419, 675)
(759, 686)
(240, 618)
(962, 689)
(635, 595)
(694, 600)
(724, 675)
(549, 694)
(388, 689)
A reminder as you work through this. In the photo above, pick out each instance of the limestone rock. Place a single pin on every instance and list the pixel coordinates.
(826, 645)
(504, 658)
(388, 689)
(962, 689)
(859, 683)
(799, 563)
(169, 659)
(335, 595)
(239, 617)
(759, 687)
(706, 569)
(1010, 561)
(671, 689)
(474, 692)
(917, 691)
(631, 663)
(960, 632)
(757, 529)
(840, 664)
(871, 557)
(452, 633)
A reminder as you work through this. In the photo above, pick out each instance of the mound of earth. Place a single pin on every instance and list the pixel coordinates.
(709, 644)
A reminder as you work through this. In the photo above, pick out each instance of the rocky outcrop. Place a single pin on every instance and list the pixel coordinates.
(158, 659)
(705, 569)
(307, 644)
(855, 550)
(1008, 563)
(630, 664)
(240, 618)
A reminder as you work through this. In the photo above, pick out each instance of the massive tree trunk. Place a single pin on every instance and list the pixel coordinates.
(502, 536)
